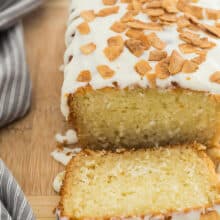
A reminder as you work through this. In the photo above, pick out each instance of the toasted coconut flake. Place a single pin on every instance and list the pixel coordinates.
(145, 26)
(142, 67)
(84, 28)
(125, 1)
(88, 15)
(153, 19)
(180, 30)
(217, 24)
(156, 42)
(127, 17)
(162, 70)
(118, 27)
(194, 10)
(154, 12)
(88, 48)
(195, 39)
(137, 6)
(130, 7)
(108, 11)
(154, 4)
(188, 48)
(166, 23)
(115, 48)
(205, 27)
(113, 52)
(193, 27)
(151, 77)
(105, 71)
(211, 215)
(201, 58)
(205, 44)
(183, 22)
(144, 39)
(134, 33)
(168, 17)
(176, 63)
(189, 37)
(212, 14)
(84, 76)
(212, 29)
(116, 41)
(192, 19)
(157, 55)
(215, 77)
(109, 2)
(189, 66)
(144, 1)
(170, 5)
(136, 47)
(181, 4)
(202, 52)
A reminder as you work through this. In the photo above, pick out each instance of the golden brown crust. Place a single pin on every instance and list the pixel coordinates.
(87, 152)
(175, 88)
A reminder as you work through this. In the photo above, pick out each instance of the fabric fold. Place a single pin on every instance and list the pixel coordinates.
(13, 203)
(12, 10)
(15, 84)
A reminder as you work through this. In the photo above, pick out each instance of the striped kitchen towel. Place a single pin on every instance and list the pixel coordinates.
(13, 204)
(15, 85)
(15, 96)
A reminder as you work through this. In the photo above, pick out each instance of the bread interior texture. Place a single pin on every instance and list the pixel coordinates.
(113, 118)
(137, 183)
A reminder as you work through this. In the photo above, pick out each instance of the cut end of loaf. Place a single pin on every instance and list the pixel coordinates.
(112, 118)
(139, 183)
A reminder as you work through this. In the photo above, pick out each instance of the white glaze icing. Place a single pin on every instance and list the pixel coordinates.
(194, 215)
(124, 66)
(59, 217)
(191, 215)
(70, 137)
(64, 156)
(209, 4)
(58, 181)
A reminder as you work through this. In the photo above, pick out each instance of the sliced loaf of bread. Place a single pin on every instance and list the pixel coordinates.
(153, 183)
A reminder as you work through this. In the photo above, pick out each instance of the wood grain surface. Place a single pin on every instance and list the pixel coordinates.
(25, 146)
(44, 206)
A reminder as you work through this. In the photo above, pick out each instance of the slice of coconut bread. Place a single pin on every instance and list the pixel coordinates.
(168, 182)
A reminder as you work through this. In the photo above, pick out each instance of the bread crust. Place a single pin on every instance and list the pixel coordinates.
(208, 214)
(173, 88)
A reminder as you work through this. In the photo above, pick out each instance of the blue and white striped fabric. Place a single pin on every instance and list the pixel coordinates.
(15, 85)
(15, 97)
(13, 204)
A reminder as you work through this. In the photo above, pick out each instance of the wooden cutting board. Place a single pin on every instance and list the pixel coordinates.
(25, 146)
(44, 206)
